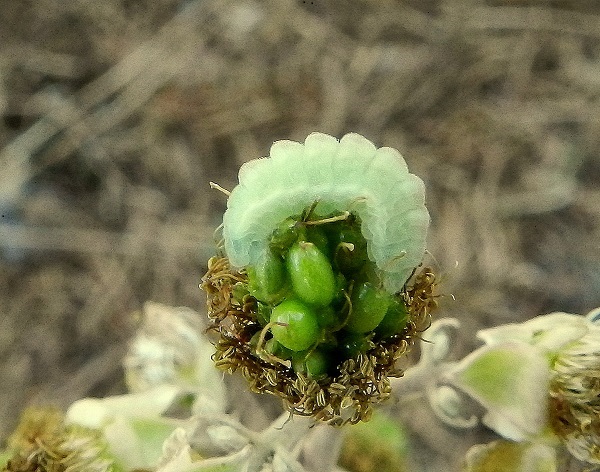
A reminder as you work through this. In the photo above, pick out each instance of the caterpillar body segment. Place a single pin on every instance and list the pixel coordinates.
(346, 175)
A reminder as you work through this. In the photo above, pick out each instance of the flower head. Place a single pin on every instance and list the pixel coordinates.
(312, 295)
(43, 442)
(575, 396)
(539, 380)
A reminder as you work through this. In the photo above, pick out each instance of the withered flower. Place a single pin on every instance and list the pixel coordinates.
(574, 408)
(42, 442)
(540, 384)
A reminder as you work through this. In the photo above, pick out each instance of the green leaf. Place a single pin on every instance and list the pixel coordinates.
(511, 381)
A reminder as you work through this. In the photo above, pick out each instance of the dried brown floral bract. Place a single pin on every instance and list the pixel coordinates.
(346, 397)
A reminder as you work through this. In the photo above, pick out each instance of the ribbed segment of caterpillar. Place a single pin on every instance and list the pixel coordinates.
(346, 175)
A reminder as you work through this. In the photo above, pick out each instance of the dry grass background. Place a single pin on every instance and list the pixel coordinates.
(116, 114)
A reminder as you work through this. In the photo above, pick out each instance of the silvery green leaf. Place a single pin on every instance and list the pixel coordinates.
(137, 442)
(131, 424)
(283, 462)
(322, 446)
(226, 437)
(170, 348)
(178, 456)
(511, 381)
(217, 435)
(96, 413)
(448, 406)
(549, 332)
(438, 344)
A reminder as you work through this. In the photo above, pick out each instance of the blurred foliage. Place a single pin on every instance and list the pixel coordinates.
(379, 445)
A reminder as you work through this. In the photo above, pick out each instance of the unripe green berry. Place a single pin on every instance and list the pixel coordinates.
(352, 344)
(316, 235)
(311, 274)
(296, 325)
(395, 319)
(266, 278)
(341, 287)
(349, 246)
(369, 306)
(327, 317)
(263, 313)
(286, 234)
(368, 273)
(314, 364)
(277, 349)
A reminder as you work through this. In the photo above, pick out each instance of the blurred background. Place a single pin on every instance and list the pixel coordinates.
(116, 114)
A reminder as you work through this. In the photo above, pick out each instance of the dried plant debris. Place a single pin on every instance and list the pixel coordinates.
(346, 393)
(42, 442)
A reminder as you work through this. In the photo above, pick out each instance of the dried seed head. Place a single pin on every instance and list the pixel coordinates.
(358, 383)
(43, 443)
(575, 397)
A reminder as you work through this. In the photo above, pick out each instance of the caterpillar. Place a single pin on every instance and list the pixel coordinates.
(333, 176)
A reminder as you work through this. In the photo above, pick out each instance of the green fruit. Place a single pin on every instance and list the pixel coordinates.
(276, 349)
(352, 344)
(263, 313)
(239, 291)
(286, 234)
(369, 306)
(327, 317)
(350, 247)
(368, 273)
(395, 319)
(341, 287)
(317, 236)
(296, 325)
(266, 279)
(314, 364)
(311, 274)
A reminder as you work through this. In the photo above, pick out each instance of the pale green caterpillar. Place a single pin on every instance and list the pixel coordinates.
(346, 175)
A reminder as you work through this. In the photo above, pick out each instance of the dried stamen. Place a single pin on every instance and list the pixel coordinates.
(358, 382)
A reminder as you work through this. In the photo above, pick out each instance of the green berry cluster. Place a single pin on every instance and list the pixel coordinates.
(319, 298)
